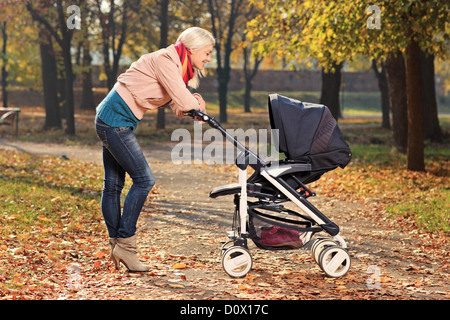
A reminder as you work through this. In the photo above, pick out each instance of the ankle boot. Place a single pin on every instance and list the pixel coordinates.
(125, 251)
(112, 244)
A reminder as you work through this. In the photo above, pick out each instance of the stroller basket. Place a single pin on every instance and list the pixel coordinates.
(270, 234)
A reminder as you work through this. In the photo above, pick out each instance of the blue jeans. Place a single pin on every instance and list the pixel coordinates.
(122, 154)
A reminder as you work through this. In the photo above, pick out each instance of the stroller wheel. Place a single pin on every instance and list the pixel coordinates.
(319, 245)
(236, 261)
(334, 261)
(226, 246)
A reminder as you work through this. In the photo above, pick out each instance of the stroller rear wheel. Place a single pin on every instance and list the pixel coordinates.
(334, 261)
(237, 261)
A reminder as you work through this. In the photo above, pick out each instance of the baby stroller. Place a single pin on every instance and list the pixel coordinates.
(313, 144)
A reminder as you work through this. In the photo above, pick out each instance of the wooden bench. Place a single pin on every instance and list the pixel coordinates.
(10, 116)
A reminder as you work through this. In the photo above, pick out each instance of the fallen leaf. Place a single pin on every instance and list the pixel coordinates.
(100, 254)
(244, 287)
(44, 219)
(200, 265)
(179, 266)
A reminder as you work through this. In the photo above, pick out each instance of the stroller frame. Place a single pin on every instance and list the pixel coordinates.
(329, 252)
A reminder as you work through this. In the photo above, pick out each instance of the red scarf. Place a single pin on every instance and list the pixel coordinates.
(185, 58)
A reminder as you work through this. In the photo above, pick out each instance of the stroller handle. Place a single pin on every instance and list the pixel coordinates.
(198, 115)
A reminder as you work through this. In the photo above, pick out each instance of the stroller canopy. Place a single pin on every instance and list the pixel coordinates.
(308, 132)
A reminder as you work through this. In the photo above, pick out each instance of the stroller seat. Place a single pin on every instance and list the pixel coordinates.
(253, 190)
(286, 168)
(224, 190)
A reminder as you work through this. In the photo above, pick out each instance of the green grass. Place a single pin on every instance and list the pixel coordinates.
(44, 192)
(430, 211)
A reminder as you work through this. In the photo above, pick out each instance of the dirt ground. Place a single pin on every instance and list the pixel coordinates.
(181, 229)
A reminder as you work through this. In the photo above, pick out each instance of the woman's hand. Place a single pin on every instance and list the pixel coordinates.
(201, 102)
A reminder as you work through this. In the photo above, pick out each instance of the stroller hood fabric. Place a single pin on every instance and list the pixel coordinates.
(308, 133)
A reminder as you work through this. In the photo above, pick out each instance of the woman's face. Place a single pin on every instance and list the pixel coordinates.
(201, 56)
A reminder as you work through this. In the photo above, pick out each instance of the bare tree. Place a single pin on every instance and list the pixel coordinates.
(431, 127)
(84, 58)
(63, 36)
(249, 73)
(384, 90)
(415, 147)
(250, 70)
(224, 17)
(49, 80)
(115, 25)
(395, 75)
(4, 74)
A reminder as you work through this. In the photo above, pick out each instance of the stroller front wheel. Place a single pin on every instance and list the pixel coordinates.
(334, 261)
(225, 247)
(319, 245)
(237, 261)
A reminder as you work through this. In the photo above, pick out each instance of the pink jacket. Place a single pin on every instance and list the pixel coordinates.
(153, 81)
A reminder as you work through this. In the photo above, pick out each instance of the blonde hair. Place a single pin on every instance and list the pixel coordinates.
(196, 38)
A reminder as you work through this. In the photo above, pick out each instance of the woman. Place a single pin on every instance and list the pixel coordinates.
(156, 80)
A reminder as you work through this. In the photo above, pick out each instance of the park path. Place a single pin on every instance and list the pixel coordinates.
(181, 230)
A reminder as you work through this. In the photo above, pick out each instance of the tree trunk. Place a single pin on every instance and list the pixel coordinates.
(163, 42)
(247, 95)
(64, 42)
(384, 90)
(331, 85)
(70, 120)
(249, 74)
(395, 76)
(61, 89)
(4, 72)
(224, 32)
(49, 80)
(431, 127)
(224, 78)
(87, 95)
(109, 38)
(415, 149)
